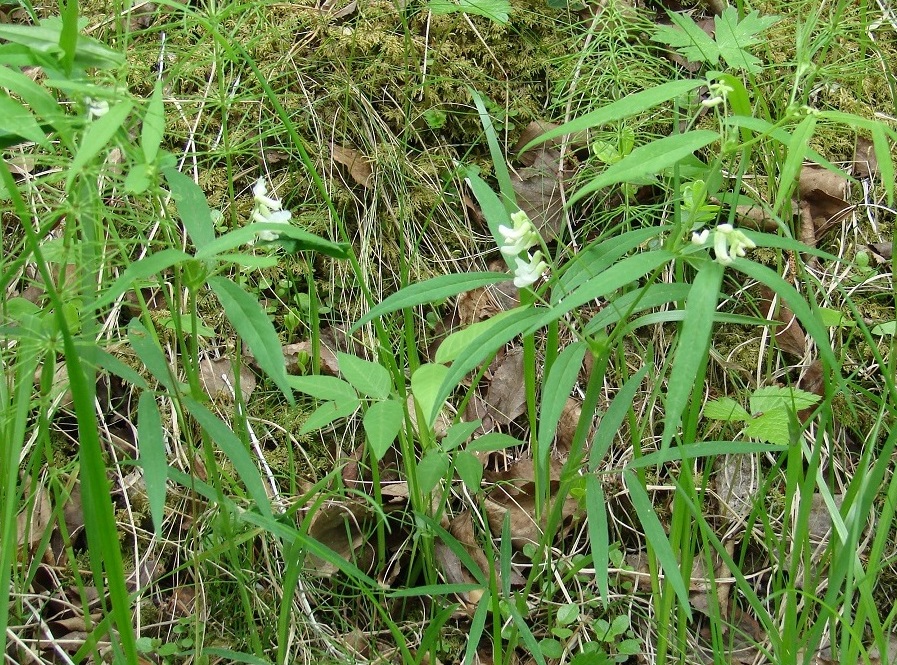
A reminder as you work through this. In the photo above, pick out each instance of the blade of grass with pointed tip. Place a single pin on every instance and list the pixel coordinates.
(657, 538)
(613, 419)
(797, 148)
(495, 152)
(151, 444)
(596, 510)
(251, 322)
(649, 159)
(694, 343)
(620, 109)
(224, 437)
(555, 391)
(431, 290)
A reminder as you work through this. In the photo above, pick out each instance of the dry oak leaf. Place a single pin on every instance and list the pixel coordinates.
(360, 167)
(506, 397)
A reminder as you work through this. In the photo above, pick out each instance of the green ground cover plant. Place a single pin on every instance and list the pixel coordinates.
(328, 336)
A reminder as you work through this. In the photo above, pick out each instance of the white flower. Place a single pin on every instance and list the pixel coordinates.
(728, 242)
(267, 210)
(527, 272)
(519, 238)
(718, 92)
(96, 108)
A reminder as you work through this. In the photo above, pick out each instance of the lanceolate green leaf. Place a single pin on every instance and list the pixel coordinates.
(151, 444)
(555, 391)
(691, 350)
(649, 159)
(246, 315)
(657, 537)
(97, 137)
(193, 208)
(431, 290)
(224, 437)
(369, 378)
(139, 270)
(153, 125)
(596, 510)
(794, 160)
(15, 119)
(613, 419)
(628, 106)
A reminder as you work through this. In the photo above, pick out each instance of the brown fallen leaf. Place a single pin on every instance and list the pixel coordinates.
(822, 192)
(790, 336)
(534, 130)
(218, 379)
(341, 527)
(865, 163)
(882, 251)
(359, 166)
(506, 397)
(33, 521)
(539, 190)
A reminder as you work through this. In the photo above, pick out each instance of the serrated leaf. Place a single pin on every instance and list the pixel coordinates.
(688, 39)
(382, 424)
(733, 37)
(497, 10)
(771, 427)
(725, 408)
(369, 378)
(772, 398)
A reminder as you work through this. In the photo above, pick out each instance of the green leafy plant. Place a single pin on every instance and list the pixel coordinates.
(733, 37)
(772, 412)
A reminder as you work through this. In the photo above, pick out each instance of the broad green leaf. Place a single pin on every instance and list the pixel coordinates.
(688, 39)
(797, 148)
(153, 125)
(322, 387)
(494, 441)
(425, 384)
(655, 535)
(693, 344)
(193, 208)
(431, 290)
(612, 421)
(236, 452)
(469, 469)
(138, 179)
(567, 613)
(725, 408)
(459, 433)
(457, 342)
(382, 424)
(44, 38)
(885, 161)
(888, 328)
(555, 391)
(369, 378)
(734, 37)
(35, 96)
(251, 322)
(431, 469)
(138, 271)
(833, 318)
(649, 159)
(15, 119)
(599, 541)
(97, 137)
(329, 412)
(623, 108)
(772, 427)
(153, 459)
(770, 398)
(497, 10)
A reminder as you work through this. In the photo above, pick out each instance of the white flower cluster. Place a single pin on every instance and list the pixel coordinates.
(520, 239)
(268, 210)
(718, 94)
(728, 242)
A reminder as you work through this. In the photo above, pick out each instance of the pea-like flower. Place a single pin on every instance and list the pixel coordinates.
(520, 238)
(268, 210)
(718, 92)
(529, 271)
(96, 108)
(728, 242)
